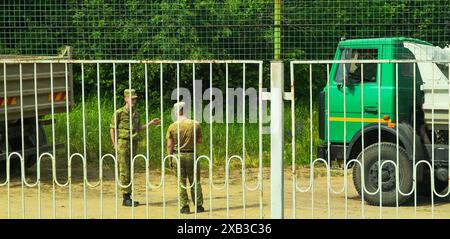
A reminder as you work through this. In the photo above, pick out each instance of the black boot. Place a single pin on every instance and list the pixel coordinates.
(200, 209)
(127, 202)
(185, 210)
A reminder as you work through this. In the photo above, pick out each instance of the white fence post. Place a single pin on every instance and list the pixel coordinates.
(276, 140)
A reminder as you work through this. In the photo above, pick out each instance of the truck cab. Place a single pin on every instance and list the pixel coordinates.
(372, 117)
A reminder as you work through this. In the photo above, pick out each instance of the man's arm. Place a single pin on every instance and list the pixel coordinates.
(170, 150)
(155, 121)
(113, 137)
(112, 127)
(169, 146)
(199, 135)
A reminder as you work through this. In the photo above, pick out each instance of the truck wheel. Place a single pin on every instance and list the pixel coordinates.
(14, 163)
(440, 186)
(30, 142)
(424, 187)
(388, 152)
(15, 145)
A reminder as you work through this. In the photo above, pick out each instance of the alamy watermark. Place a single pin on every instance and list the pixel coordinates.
(215, 106)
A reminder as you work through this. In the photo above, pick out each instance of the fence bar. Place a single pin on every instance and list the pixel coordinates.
(276, 140)
(90, 73)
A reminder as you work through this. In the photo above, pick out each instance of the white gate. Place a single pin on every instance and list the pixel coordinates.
(59, 187)
(325, 187)
(83, 181)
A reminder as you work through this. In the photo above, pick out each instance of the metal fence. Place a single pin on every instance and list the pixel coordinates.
(396, 172)
(55, 149)
(179, 30)
(47, 182)
(374, 164)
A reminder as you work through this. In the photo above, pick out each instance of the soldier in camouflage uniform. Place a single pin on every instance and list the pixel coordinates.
(121, 124)
(182, 132)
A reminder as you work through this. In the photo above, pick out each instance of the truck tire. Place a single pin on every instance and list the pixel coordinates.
(15, 145)
(14, 163)
(30, 142)
(424, 187)
(388, 153)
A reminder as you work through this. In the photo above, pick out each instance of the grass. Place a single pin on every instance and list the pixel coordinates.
(97, 139)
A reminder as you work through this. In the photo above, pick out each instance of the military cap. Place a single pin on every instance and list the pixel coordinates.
(130, 93)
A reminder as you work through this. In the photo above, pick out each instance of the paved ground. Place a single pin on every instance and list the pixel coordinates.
(100, 201)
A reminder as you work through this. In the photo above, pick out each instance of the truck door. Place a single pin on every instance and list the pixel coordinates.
(346, 80)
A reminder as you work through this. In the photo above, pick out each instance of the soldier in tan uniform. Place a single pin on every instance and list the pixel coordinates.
(180, 143)
(121, 123)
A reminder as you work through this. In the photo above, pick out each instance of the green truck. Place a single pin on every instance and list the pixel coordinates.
(368, 118)
(27, 101)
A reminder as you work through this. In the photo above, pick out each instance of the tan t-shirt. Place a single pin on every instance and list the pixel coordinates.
(186, 127)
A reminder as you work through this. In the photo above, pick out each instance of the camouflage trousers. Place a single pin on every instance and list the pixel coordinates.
(187, 173)
(124, 161)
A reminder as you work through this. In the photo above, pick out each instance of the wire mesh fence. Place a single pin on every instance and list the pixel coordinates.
(177, 45)
(312, 29)
(227, 29)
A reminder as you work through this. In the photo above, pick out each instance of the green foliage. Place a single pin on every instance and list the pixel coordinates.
(317, 26)
(211, 29)
(206, 29)
(203, 29)
(96, 139)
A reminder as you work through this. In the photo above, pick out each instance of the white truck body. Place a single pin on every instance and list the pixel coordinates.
(433, 64)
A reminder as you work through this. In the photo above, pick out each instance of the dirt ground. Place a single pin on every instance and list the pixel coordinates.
(79, 200)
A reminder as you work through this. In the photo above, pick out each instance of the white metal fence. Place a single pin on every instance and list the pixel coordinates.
(104, 204)
(314, 190)
(345, 114)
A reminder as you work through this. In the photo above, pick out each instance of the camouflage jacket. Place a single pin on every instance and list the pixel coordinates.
(122, 117)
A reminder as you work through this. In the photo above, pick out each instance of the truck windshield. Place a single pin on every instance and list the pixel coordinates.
(353, 70)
